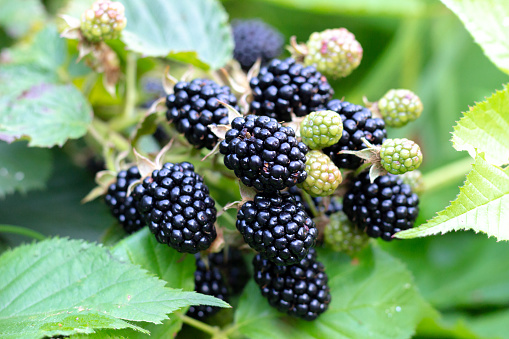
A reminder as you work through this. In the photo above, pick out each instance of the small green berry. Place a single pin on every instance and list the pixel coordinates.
(321, 129)
(334, 52)
(399, 107)
(415, 180)
(105, 20)
(342, 235)
(399, 156)
(323, 176)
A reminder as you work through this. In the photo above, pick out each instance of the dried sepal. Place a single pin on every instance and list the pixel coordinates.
(298, 51)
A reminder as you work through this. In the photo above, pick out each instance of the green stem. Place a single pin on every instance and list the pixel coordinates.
(214, 331)
(311, 204)
(130, 95)
(444, 175)
(21, 231)
(102, 130)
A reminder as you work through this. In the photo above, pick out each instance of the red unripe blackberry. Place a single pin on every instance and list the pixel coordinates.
(300, 290)
(208, 280)
(381, 208)
(195, 105)
(277, 226)
(358, 123)
(285, 86)
(123, 207)
(264, 154)
(177, 208)
(255, 39)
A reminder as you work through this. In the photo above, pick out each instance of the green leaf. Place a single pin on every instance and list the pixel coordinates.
(61, 287)
(195, 32)
(142, 248)
(18, 17)
(483, 129)
(487, 21)
(480, 206)
(46, 114)
(22, 168)
(375, 298)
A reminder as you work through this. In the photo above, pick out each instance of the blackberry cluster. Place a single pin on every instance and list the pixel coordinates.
(358, 123)
(123, 207)
(277, 226)
(176, 206)
(233, 267)
(195, 105)
(285, 86)
(255, 39)
(208, 280)
(299, 290)
(264, 154)
(382, 208)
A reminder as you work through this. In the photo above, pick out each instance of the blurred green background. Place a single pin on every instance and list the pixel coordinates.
(414, 44)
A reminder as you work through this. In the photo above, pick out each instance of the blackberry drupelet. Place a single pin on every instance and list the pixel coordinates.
(176, 206)
(277, 226)
(381, 208)
(358, 123)
(234, 268)
(208, 280)
(300, 290)
(195, 105)
(123, 207)
(255, 39)
(284, 87)
(264, 154)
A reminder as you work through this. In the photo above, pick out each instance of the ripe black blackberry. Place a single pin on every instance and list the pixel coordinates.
(300, 290)
(208, 280)
(255, 39)
(277, 226)
(123, 207)
(382, 208)
(284, 87)
(177, 208)
(195, 105)
(264, 154)
(358, 123)
(233, 267)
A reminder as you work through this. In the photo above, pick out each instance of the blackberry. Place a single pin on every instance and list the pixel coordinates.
(321, 129)
(232, 265)
(255, 39)
(208, 280)
(398, 107)
(277, 226)
(323, 176)
(264, 154)
(195, 105)
(105, 20)
(284, 87)
(381, 208)
(177, 208)
(123, 207)
(342, 236)
(300, 290)
(358, 123)
(399, 156)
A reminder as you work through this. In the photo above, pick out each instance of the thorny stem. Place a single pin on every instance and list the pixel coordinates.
(444, 175)
(311, 204)
(21, 231)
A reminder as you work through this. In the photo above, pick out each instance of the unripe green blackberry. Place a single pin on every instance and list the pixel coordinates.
(334, 52)
(105, 20)
(399, 107)
(341, 235)
(321, 129)
(398, 156)
(323, 176)
(414, 180)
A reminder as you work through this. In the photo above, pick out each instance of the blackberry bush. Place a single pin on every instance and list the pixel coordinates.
(195, 105)
(381, 208)
(301, 290)
(284, 87)
(255, 39)
(122, 206)
(177, 208)
(264, 154)
(277, 226)
(358, 123)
